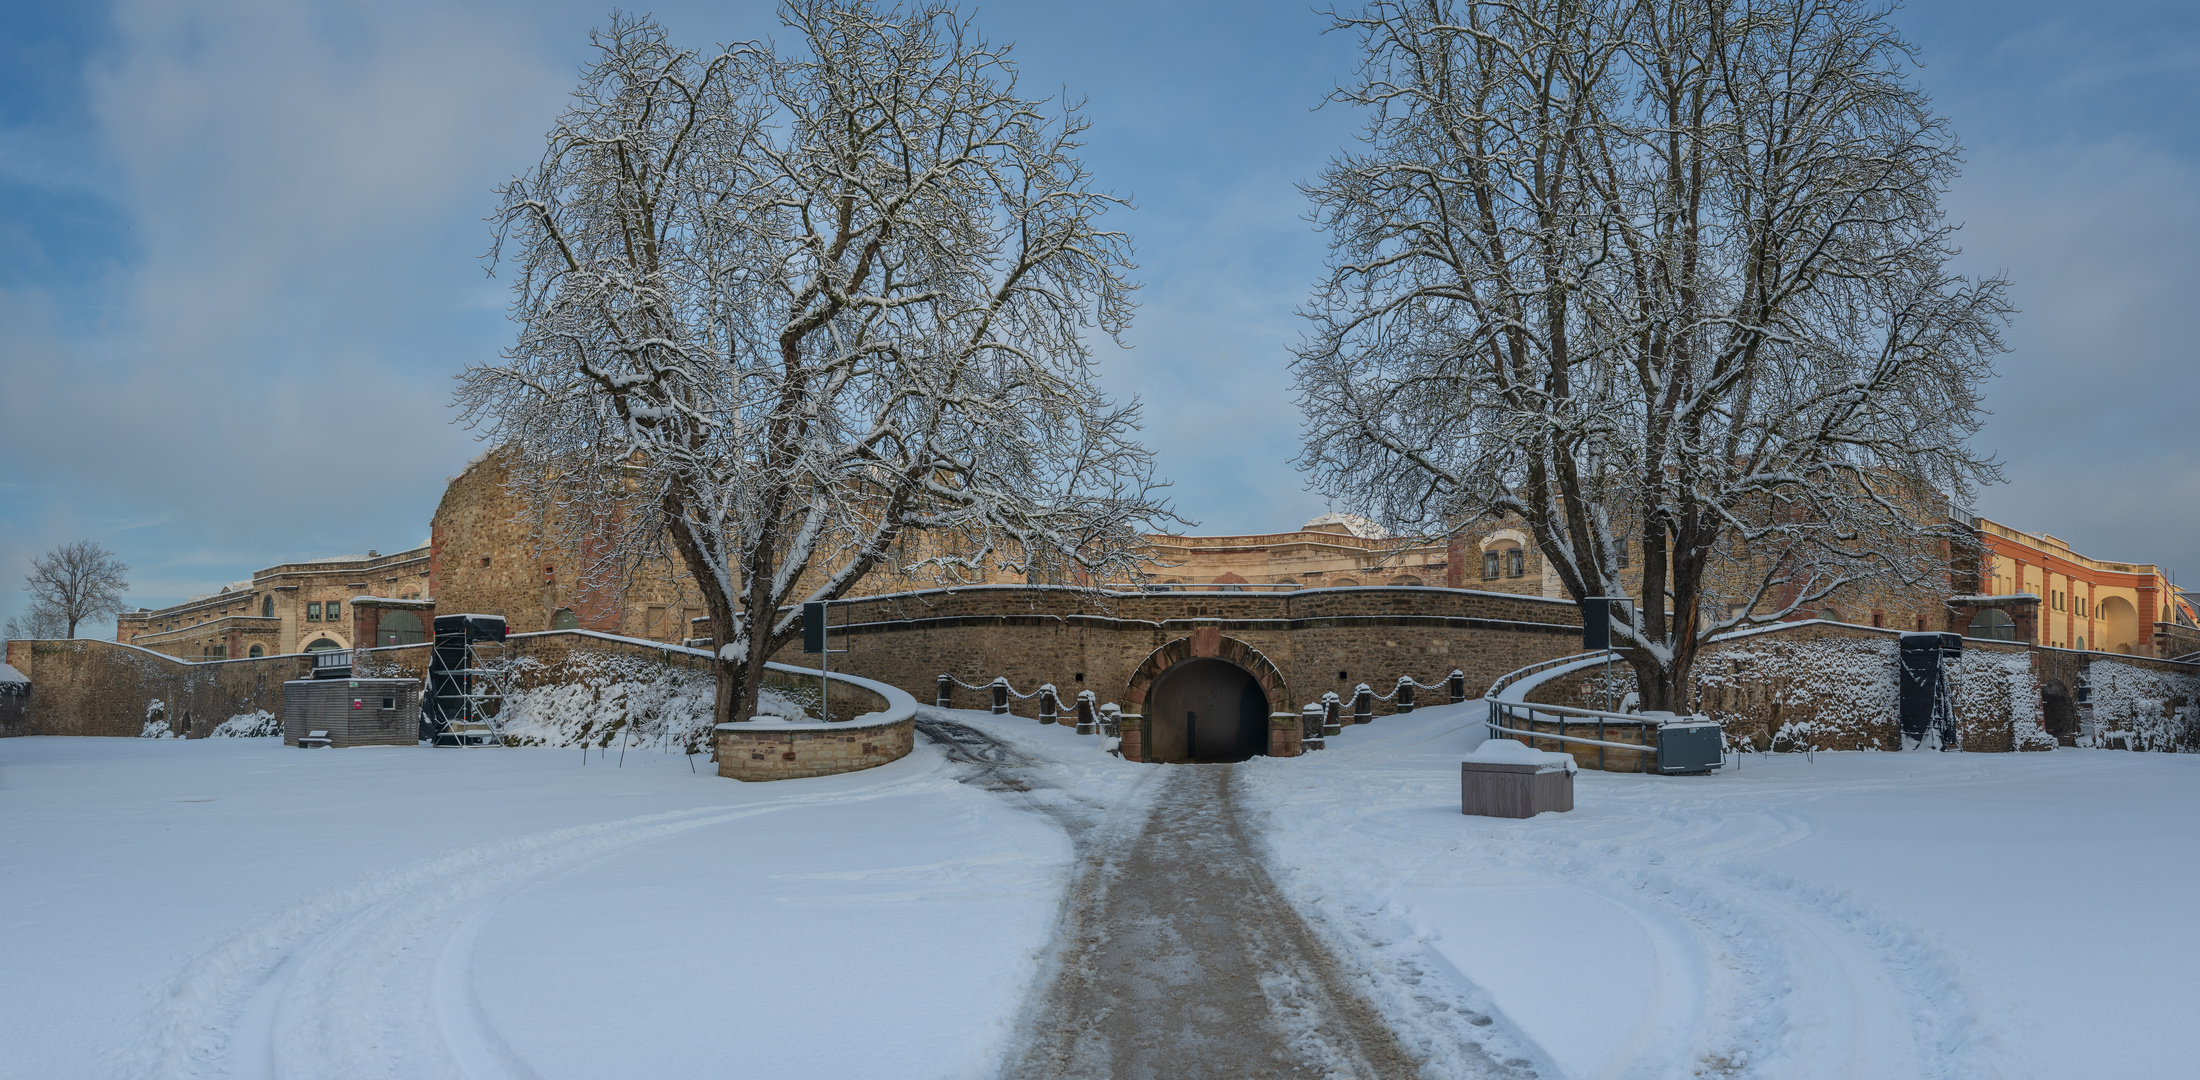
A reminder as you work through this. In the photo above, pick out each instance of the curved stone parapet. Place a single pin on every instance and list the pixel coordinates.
(775, 750)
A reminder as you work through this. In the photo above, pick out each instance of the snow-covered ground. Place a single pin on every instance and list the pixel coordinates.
(231, 907)
(1864, 915)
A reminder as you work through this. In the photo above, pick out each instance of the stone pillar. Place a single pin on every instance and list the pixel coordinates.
(1000, 695)
(1133, 728)
(1312, 735)
(1049, 708)
(1363, 704)
(1332, 712)
(1405, 694)
(1087, 723)
(1284, 735)
(2150, 610)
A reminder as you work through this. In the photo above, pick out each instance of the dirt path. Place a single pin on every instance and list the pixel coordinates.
(1179, 958)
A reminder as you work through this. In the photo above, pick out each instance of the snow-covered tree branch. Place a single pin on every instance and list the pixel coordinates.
(801, 317)
(1665, 269)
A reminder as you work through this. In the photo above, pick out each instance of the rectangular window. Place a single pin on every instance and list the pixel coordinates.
(653, 623)
(1879, 618)
(1623, 554)
(335, 608)
(313, 611)
(1516, 562)
(1489, 564)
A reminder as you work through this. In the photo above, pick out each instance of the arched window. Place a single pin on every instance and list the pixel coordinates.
(321, 644)
(1992, 624)
(399, 628)
(267, 606)
(1503, 558)
(1830, 614)
(564, 619)
(255, 651)
(1342, 582)
(1406, 581)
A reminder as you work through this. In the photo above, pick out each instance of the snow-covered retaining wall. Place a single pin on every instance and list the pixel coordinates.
(1834, 686)
(575, 687)
(773, 748)
(90, 687)
(2144, 705)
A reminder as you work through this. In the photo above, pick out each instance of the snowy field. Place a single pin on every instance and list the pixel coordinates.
(232, 907)
(1864, 915)
(236, 908)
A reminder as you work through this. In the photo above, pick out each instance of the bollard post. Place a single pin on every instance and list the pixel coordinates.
(1458, 686)
(1312, 734)
(1049, 708)
(1000, 695)
(1086, 721)
(947, 692)
(1111, 720)
(1363, 704)
(1405, 694)
(1332, 713)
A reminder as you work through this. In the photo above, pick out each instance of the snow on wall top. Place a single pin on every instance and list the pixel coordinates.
(1353, 523)
(8, 674)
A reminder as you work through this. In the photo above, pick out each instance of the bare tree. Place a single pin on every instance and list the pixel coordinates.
(801, 317)
(1674, 269)
(76, 581)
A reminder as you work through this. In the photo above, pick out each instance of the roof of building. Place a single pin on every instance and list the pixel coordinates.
(8, 674)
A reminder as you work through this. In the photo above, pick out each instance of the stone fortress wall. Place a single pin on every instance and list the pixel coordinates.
(1305, 612)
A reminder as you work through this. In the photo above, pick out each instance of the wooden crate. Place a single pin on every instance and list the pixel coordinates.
(354, 712)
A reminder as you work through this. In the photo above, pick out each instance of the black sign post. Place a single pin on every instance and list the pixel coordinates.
(813, 641)
(1597, 613)
(1596, 623)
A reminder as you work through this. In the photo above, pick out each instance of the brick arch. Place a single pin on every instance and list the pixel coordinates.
(1208, 642)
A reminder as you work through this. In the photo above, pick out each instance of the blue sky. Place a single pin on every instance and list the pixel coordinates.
(239, 254)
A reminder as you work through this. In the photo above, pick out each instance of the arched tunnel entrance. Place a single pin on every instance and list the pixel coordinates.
(1206, 710)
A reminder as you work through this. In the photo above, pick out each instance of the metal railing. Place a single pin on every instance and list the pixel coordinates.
(1503, 712)
(1511, 677)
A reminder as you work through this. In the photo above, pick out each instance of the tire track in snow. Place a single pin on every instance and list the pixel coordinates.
(1799, 974)
(339, 984)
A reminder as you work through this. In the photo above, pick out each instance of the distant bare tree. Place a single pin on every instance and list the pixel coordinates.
(76, 581)
(39, 623)
(800, 316)
(1674, 269)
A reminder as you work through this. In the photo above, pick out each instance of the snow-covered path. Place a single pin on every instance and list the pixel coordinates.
(1178, 957)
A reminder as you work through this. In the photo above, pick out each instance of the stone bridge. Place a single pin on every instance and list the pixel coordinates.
(1226, 659)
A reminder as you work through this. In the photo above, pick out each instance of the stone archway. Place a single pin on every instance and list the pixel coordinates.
(1177, 664)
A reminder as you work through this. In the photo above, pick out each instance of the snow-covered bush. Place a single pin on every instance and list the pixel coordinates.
(2144, 709)
(156, 722)
(257, 724)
